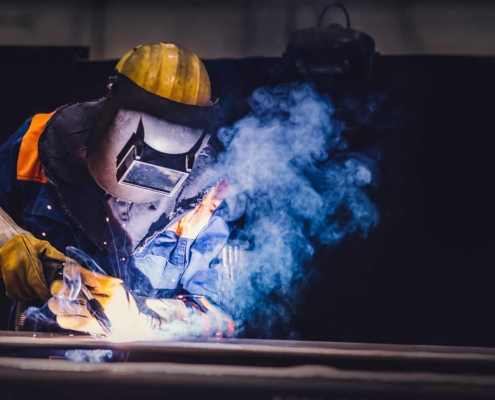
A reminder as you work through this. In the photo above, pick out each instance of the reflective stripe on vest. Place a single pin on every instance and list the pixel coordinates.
(28, 163)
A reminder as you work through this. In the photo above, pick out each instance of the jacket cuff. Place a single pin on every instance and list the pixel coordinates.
(149, 322)
(188, 316)
(8, 228)
(207, 319)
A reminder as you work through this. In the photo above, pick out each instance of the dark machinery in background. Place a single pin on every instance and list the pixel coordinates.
(339, 62)
(424, 275)
(334, 58)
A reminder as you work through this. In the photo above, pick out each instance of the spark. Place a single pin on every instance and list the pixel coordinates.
(49, 206)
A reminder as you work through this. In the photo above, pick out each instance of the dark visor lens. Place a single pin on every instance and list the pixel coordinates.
(153, 177)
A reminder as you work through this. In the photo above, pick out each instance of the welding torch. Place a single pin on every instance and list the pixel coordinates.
(94, 306)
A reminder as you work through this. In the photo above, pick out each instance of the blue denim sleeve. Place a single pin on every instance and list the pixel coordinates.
(202, 275)
(170, 261)
(10, 199)
(190, 267)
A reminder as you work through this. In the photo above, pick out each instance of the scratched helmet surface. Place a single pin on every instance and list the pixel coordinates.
(169, 71)
(154, 124)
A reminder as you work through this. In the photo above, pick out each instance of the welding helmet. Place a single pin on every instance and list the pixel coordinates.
(154, 123)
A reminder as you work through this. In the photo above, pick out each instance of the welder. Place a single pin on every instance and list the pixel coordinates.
(128, 179)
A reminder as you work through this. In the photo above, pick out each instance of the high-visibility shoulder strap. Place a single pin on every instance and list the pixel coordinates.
(28, 162)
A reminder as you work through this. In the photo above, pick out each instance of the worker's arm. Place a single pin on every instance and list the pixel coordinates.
(187, 250)
(11, 196)
(175, 318)
(201, 281)
(188, 316)
(199, 310)
(23, 258)
(199, 238)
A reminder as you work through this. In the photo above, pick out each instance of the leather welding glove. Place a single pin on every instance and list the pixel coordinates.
(72, 313)
(24, 260)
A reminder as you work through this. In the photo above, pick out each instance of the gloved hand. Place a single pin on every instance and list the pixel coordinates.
(24, 260)
(71, 310)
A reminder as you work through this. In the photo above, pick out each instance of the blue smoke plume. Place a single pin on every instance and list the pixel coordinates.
(295, 183)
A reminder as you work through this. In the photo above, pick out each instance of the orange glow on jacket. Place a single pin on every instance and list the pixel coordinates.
(192, 223)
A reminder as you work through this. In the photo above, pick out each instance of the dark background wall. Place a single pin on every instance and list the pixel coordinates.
(242, 28)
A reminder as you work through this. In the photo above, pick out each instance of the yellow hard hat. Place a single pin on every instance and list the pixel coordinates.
(169, 71)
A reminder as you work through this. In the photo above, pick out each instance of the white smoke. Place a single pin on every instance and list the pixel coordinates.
(294, 183)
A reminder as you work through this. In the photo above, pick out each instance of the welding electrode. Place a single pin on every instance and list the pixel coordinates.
(94, 306)
(96, 310)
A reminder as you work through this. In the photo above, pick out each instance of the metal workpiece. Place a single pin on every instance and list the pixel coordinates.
(264, 352)
(239, 368)
(150, 380)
